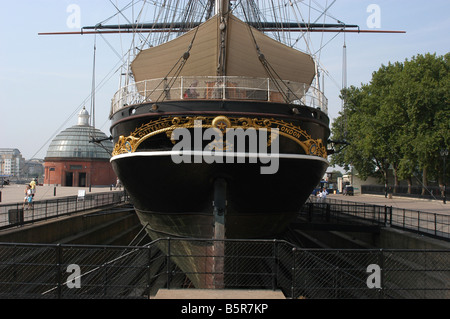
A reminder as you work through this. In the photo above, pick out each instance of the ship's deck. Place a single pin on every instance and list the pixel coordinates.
(219, 88)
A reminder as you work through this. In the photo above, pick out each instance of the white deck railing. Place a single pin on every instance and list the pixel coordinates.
(223, 87)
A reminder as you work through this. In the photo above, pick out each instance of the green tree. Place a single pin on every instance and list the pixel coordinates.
(426, 85)
(399, 121)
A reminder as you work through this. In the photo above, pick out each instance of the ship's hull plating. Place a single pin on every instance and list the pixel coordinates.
(177, 199)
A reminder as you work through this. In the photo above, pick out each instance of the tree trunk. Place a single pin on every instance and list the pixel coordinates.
(409, 179)
(395, 179)
(424, 181)
(441, 185)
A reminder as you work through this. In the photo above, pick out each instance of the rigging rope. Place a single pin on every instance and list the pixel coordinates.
(92, 120)
(179, 67)
(276, 79)
(92, 137)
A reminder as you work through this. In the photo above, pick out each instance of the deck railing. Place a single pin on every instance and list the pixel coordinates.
(222, 88)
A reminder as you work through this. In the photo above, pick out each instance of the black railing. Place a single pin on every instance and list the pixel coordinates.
(336, 211)
(430, 192)
(12, 215)
(68, 271)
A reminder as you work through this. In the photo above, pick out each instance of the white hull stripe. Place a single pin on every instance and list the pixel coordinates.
(219, 154)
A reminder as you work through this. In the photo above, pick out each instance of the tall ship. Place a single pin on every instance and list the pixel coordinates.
(220, 128)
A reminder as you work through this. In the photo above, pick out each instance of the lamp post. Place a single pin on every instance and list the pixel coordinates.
(444, 154)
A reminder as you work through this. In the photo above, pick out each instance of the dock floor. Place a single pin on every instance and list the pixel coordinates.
(218, 294)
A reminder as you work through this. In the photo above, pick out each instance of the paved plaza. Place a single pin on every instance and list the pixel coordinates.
(15, 193)
(423, 205)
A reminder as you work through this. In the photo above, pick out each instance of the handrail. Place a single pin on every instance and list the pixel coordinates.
(17, 214)
(421, 222)
(219, 87)
(47, 270)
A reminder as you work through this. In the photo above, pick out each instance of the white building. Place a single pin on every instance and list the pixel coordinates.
(11, 162)
(356, 182)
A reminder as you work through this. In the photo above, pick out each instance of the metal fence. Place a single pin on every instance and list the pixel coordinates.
(67, 271)
(12, 215)
(431, 192)
(425, 223)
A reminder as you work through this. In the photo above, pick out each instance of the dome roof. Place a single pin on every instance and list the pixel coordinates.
(75, 142)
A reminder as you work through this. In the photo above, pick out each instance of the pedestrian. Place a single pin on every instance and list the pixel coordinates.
(322, 195)
(191, 92)
(33, 187)
(28, 199)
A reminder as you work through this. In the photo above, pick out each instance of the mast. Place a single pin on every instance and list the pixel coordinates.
(222, 8)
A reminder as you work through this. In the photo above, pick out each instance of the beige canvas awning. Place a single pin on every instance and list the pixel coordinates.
(241, 55)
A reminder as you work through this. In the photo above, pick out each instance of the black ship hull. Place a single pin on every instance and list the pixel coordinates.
(177, 199)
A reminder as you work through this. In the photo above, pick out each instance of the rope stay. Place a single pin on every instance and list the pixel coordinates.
(272, 74)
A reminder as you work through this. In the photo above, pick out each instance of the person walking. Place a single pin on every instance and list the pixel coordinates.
(28, 199)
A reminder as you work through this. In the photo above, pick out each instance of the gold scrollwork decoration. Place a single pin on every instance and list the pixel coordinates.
(223, 123)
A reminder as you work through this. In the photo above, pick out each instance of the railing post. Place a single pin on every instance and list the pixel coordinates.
(390, 215)
(374, 215)
(294, 250)
(403, 218)
(435, 224)
(182, 86)
(149, 278)
(224, 85)
(58, 270)
(418, 221)
(168, 263)
(274, 265)
(105, 279)
(381, 264)
(145, 90)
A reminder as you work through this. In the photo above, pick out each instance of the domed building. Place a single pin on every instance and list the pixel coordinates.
(73, 159)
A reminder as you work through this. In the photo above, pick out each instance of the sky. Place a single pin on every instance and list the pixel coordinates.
(46, 80)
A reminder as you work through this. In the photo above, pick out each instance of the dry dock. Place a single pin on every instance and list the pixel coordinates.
(325, 256)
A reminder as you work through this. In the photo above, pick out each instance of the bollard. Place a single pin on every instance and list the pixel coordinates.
(0, 197)
(54, 191)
